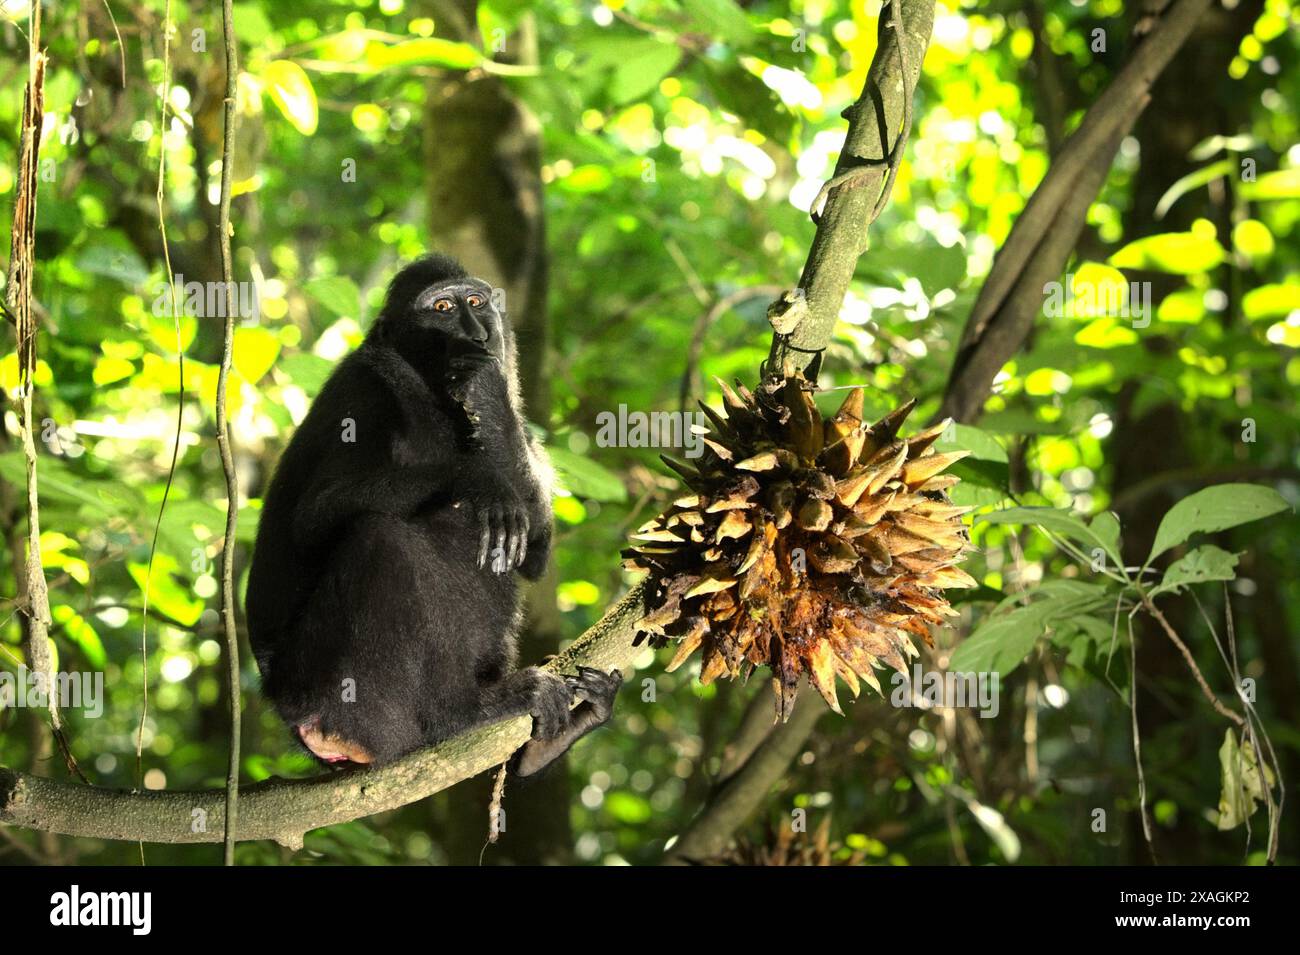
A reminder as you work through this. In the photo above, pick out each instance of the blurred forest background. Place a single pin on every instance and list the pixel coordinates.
(636, 174)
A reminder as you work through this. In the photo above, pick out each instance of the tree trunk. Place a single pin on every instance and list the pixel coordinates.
(483, 161)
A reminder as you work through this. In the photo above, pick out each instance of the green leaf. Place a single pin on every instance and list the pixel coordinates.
(346, 46)
(645, 65)
(989, 474)
(108, 370)
(1084, 637)
(251, 25)
(1105, 536)
(741, 92)
(582, 593)
(254, 352)
(122, 264)
(1271, 301)
(721, 18)
(338, 293)
(1105, 332)
(431, 51)
(1192, 180)
(1253, 239)
(77, 629)
(995, 826)
(628, 808)
(977, 441)
(1062, 522)
(570, 510)
(166, 594)
(587, 178)
(935, 266)
(291, 90)
(1213, 145)
(939, 267)
(1284, 184)
(975, 494)
(1215, 509)
(1242, 785)
(583, 477)
(309, 372)
(57, 482)
(246, 525)
(1179, 253)
(1106, 528)
(985, 475)
(1197, 566)
(1059, 589)
(1002, 641)
(188, 522)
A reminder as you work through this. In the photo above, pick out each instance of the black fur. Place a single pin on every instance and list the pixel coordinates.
(382, 606)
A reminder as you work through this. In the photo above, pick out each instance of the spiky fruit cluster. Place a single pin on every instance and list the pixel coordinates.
(807, 545)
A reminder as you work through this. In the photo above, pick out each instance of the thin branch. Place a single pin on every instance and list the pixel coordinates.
(223, 438)
(756, 725)
(34, 589)
(1137, 741)
(1210, 695)
(121, 49)
(1256, 731)
(905, 130)
(180, 399)
(693, 281)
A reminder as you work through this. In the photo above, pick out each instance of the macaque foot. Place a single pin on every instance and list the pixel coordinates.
(549, 700)
(597, 690)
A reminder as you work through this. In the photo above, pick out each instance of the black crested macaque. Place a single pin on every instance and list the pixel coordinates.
(382, 604)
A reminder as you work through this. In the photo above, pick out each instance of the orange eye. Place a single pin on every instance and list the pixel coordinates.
(475, 301)
(443, 305)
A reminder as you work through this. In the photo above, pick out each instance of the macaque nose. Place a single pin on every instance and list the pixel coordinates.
(476, 332)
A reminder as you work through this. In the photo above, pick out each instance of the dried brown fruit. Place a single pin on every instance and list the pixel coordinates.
(840, 534)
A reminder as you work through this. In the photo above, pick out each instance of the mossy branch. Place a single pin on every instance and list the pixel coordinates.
(877, 130)
(283, 809)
